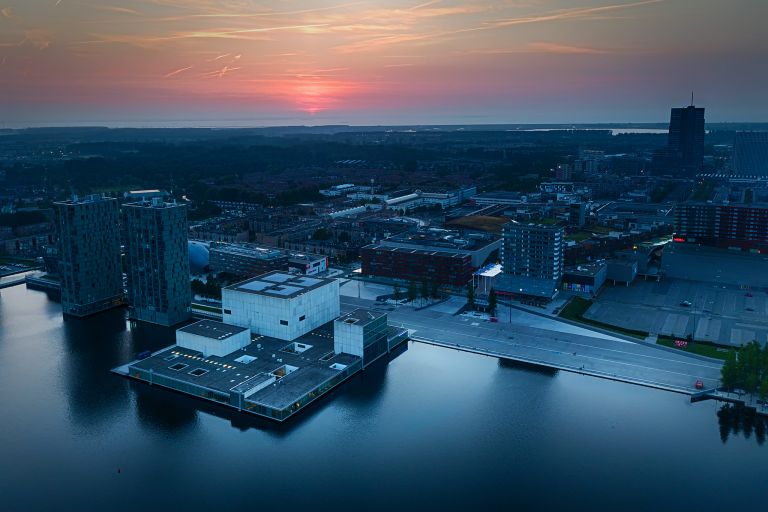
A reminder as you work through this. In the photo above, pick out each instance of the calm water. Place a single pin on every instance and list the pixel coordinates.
(433, 428)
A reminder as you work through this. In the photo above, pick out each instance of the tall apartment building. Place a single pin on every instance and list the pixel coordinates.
(686, 138)
(532, 260)
(89, 254)
(750, 154)
(157, 261)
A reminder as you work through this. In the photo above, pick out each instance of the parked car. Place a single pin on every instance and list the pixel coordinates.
(686, 304)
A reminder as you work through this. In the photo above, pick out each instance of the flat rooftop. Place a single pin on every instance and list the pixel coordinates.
(92, 198)
(361, 316)
(248, 250)
(440, 239)
(586, 269)
(212, 329)
(278, 284)
(446, 253)
(158, 204)
(264, 358)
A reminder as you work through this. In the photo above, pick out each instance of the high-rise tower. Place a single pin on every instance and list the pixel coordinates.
(686, 138)
(157, 261)
(89, 254)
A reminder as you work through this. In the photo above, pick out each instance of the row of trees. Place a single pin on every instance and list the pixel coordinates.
(213, 285)
(747, 370)
(429, 290)
(426, 291)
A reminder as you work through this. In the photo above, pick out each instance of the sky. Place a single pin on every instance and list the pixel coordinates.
(374, 62)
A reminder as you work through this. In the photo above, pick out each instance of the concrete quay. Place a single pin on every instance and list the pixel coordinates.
(550, 343)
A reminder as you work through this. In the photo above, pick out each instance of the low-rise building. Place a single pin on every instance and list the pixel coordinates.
(213, 338)
(435, 255)
(308, 264)
(587, 278)
(622, 270)
(246, 259)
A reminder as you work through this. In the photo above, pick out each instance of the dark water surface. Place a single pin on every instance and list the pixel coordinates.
(433, 428)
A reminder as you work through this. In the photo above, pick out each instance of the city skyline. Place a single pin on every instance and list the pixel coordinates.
(202, 62)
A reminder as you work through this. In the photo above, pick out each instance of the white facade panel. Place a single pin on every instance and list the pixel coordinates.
(347, 338)
(211, 346)
(282, 317)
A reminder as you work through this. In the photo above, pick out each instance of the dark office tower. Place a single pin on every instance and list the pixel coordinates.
(89, 254)
(686, 138)
(157, 261)
(750, 154)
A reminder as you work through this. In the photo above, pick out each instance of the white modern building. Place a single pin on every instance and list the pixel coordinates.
(362, 333)
(308, 264)
(281, 305)
(213, 338)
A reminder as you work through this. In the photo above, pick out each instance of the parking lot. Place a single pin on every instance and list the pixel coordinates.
(676, 307)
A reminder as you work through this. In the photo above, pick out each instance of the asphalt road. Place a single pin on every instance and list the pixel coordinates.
(548, 345)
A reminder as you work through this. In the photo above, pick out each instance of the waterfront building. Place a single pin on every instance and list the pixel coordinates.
(363, 333)
(532, 260)
(281, 305)
(89, 254)
(157, 261)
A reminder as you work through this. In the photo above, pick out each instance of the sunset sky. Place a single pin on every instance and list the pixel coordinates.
(270, 62)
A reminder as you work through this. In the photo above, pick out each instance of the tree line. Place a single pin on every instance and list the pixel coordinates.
(747, 370)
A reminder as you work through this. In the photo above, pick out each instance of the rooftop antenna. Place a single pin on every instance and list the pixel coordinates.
(691, 98)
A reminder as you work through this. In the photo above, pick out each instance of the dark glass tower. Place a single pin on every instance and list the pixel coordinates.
(89, 255)
(157, 261)
(686, 138)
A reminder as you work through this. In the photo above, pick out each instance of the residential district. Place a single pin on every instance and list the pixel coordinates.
(640, 257)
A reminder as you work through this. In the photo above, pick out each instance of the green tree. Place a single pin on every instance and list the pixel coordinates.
(492, 300)
(749, 367)
(397, 293)
(729, 373)
(471, 295)
(412, 292)
(435, 289)
(424, 290)
(764, 388)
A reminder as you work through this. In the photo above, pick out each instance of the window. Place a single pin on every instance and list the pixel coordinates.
(227, 311)
(178, 367)
(197, 372)
(283, 322)
(302, 317)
